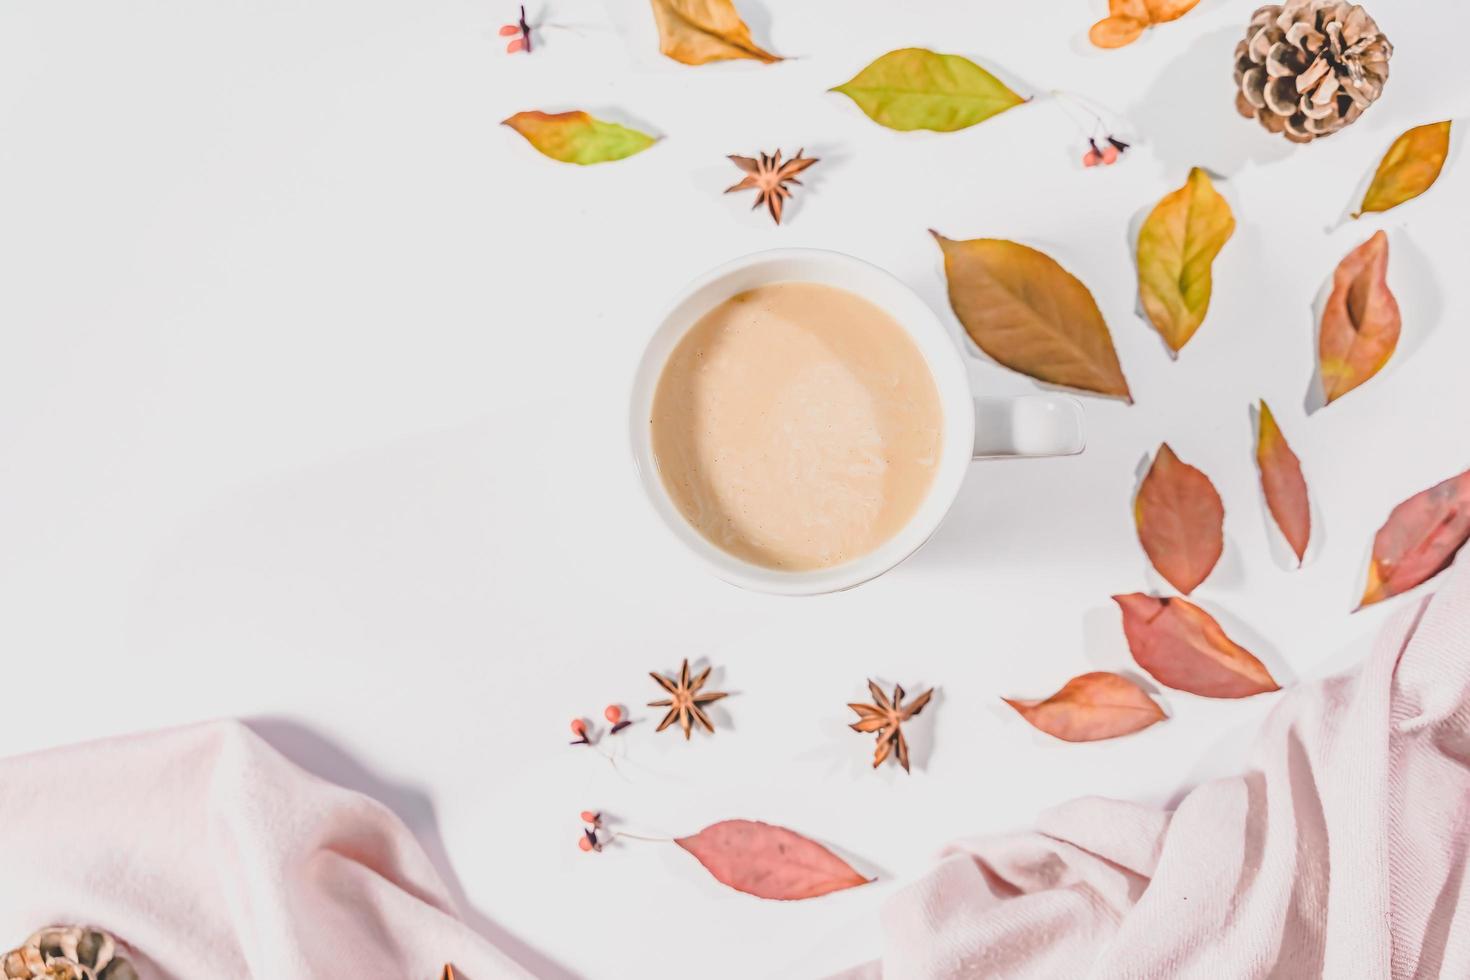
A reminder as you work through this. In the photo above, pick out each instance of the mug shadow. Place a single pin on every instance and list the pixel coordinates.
(317, 755)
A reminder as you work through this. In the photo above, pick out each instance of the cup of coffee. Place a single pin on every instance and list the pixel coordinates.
(802, 421)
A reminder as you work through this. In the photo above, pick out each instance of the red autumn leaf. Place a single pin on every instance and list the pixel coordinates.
(1419, 539)
(1180, 521)
(1181, 646)
(1281, 480)
(768, 861)
(1092, 707)
(1360, 325)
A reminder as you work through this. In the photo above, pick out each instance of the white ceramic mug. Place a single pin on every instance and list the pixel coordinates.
(974, 427)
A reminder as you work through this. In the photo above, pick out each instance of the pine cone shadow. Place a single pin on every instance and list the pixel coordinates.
(1207, 131)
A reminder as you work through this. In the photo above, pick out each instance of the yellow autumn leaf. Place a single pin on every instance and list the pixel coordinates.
(696, 32)
(1176, 249)
(1409, 167)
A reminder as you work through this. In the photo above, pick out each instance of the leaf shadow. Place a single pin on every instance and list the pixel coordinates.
(623, 117)
(316, 754)
(757, 17)
(1211, 132)
(1229, 571)
(1103, 642)
(1414, 285)
(1315, 398)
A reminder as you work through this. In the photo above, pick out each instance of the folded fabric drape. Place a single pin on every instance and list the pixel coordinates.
(212, 856)
(1340, 853)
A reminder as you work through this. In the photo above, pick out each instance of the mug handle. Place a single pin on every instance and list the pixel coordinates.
(1031, 425)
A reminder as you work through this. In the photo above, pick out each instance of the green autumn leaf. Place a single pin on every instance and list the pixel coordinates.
(1409, 167)
(917, 89)
(1176, 247)
(575, 137)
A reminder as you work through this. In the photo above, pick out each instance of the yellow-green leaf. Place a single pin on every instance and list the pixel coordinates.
(1409, 167)
(1026, 311)
(1176, 248)
(698, 31)
(576, 137)
(913, 88)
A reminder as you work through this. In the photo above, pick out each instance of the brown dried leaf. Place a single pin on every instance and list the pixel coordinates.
(1092, 707)
(1361, 322)
(768, 861)
(1419, 539)
(699, 31)
(1026, 311)
(1282, 482)
(1181, 646)
(1180, 521)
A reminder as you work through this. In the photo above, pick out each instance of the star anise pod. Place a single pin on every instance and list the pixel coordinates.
(769, 176)
(685, 700)
(886, 717)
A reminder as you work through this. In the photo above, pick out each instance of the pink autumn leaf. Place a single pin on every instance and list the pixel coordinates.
(768, 861)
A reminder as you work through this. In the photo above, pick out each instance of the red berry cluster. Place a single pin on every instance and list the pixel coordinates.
(588, 840)
(614, 716)
(520, 34)
(1104, 155)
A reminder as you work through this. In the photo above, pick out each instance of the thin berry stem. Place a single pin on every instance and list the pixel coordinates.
(614, 834)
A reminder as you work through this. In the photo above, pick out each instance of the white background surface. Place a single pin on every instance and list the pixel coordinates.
(312, 411)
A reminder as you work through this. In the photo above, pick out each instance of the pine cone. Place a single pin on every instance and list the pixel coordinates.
(1307, 68)
(67, 953)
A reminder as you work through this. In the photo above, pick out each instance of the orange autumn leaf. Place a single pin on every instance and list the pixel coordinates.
(1283, 485)
(1115, 32)
(696, 32)
(1361, 322)
(767, 861)
(1127, 19)
(1419, 540)
(1092, 707)
(1409, 168)
(1180, 521)
(1163, 11)
(1181, 646)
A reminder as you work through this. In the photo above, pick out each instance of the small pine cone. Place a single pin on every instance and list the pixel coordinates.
(67, 953)
(1307, 68)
